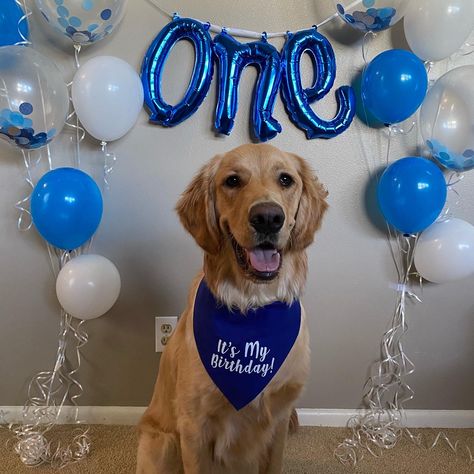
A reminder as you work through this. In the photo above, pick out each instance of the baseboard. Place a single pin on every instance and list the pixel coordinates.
(414, 418)
(307, 416)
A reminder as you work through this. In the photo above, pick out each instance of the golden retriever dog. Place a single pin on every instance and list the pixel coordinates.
(254, 211)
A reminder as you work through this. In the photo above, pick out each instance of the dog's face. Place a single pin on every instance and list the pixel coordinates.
(253, 206)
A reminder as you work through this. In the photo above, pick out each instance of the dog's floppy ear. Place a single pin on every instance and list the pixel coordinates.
(311, 209)
(196, 209)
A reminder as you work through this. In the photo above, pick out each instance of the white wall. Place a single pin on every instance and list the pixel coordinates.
(349, 298)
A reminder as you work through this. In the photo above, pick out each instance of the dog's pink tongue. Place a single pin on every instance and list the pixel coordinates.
(264, 260)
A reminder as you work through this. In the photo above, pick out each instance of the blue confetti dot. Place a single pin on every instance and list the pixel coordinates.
(340, 9)
(70, 30)
(468, 153)
(59, 2)
(92, 27)
(16, 119)
(52, 133)
(27, 123)
(444, 156)
(106, 14)
(75, 21)
(368, 3)
(109, 28)
(63, 22)
(429, 144)
(386, 12)
(63, 11)
(22, 141)
(87, 5)
(26, 108)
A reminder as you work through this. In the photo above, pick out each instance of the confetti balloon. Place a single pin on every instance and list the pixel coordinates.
(371, 15)
(83, 21)
(447, 118)
(34, 101)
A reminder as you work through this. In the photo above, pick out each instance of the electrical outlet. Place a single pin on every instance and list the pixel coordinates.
(164, 327)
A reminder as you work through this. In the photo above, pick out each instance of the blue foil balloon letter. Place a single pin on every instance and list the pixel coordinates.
(153, 64)
(297, 100)
(233, 57)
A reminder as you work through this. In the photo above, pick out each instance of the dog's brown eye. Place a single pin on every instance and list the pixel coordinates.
(232, 181)
(285, 180)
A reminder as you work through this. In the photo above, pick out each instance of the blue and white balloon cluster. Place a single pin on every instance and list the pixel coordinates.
(277, 71)
(412, 191)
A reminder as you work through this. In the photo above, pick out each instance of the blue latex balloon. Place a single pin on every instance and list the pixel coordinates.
(153, 64)
(66, 207)
(12, 31)
(233, 57)
(297, 100)
(411, 194)
(394, 85)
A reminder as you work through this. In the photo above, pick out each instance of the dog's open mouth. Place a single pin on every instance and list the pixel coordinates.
(262, 262)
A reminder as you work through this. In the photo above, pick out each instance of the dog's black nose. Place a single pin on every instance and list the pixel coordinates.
(266, 218)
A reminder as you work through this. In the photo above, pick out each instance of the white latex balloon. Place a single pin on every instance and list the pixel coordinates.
(107, 94)
(88, 286)
(447, 118)
(435, 29)
(445, 251)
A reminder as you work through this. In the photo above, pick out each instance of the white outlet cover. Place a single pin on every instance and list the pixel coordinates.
(159, 321)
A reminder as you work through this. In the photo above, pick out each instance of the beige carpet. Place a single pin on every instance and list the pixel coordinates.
(309, 451)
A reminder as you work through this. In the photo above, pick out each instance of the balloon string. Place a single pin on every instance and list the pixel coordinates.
(239, 32)
(110, 159)
(48, 392)
(77, 50)
(21, 205)
(24, 41)
(453, 179)
(369, 35)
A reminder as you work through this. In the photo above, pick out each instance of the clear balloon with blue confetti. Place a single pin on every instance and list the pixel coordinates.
(83, 21)
(34, 100)
(447, 119)
(371, 15)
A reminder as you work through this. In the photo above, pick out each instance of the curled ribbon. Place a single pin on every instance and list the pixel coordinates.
(109, 161)
(49, 391)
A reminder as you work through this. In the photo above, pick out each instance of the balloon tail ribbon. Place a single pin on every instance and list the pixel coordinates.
(369, 35)
(48, 393)
(109, 161)
(24, 40)
(386, 390)
(25, 222)
(77, 50)
(453, 179)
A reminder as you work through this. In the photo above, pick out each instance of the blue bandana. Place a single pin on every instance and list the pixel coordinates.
(243, 352)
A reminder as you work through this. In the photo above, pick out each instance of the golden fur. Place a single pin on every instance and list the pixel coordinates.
(190, 426)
